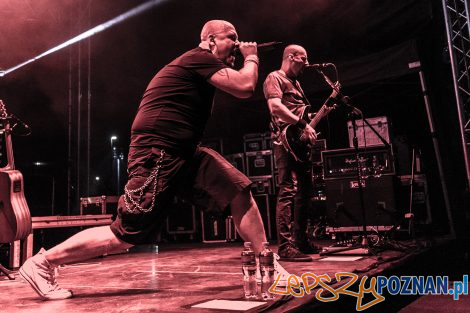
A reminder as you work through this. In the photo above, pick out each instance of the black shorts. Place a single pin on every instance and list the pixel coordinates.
(207, 180)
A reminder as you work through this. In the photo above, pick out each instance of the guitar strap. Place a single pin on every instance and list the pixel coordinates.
(297, 85)
(275, 129)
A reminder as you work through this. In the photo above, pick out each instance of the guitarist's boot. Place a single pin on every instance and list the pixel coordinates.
(288, 252)
(40, 274)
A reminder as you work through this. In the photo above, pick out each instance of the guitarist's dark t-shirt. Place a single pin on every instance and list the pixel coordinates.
(177, 103)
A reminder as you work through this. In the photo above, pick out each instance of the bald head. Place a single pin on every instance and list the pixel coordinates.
(294, 60)
(294, 50)
(213, 27)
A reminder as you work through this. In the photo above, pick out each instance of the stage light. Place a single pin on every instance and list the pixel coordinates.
(95, 30)
(112, 139)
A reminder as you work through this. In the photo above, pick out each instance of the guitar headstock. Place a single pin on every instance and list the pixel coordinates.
(3, 137)
(3, 110)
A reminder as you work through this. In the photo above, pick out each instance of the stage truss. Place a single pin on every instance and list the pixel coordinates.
(457, 18)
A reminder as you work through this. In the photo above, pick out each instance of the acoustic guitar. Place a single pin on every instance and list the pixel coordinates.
(15, 217)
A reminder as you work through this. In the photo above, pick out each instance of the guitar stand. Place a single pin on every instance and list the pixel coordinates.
(6, 272)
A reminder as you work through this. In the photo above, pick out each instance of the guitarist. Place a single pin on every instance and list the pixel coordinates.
(289, 106)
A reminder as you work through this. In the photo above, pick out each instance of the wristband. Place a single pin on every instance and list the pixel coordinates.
(301, 123)
(252, 58)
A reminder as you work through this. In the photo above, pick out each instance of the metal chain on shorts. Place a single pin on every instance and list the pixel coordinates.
(134, 206)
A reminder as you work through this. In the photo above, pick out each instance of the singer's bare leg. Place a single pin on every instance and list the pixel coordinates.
(39, 271)
(248, 219)
(84, 245)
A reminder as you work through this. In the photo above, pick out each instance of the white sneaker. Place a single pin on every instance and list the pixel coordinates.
(39, 273)
(281, 271)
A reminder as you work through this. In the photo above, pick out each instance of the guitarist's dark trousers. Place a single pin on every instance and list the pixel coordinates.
(294, 198)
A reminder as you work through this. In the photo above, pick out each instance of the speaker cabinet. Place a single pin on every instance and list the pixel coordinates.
(344, 205)
(420, 205)
(213, 227)
(181, 218)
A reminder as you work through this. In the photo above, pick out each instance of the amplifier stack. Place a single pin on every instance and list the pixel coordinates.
(379, 185)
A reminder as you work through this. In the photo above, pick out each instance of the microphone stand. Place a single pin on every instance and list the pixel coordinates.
(355, 112)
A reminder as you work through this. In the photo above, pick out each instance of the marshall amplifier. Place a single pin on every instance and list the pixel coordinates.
(341, 163)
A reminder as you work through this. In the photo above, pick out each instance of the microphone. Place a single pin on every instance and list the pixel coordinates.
(264, 46)
(319, 66)
(267, 45)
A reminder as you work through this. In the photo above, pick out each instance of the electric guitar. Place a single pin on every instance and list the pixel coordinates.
(295, 142)
(15, 218)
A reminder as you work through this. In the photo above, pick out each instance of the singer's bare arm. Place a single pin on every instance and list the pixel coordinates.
(242, 83)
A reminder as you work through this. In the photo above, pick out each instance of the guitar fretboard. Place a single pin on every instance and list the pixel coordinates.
(3, 150)
(320, 114)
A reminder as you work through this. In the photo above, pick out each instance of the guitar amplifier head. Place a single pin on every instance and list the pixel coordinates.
(341, 163)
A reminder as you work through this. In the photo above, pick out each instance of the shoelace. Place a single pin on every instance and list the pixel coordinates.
(50, 277)
(53, 276)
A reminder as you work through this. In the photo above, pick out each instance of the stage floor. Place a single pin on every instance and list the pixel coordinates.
(180, 276)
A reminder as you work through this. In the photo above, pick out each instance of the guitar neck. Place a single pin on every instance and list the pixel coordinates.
(317, 118)
(6, 148)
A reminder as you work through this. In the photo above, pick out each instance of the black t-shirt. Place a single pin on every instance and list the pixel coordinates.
(177, 103)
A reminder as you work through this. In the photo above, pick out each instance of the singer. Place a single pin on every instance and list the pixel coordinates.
(165, 160)
(288, 105)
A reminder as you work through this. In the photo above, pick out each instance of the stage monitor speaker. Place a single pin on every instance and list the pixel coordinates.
(343, 205)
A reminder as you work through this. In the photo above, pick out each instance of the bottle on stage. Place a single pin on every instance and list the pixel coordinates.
(266, 265)
(249, 271)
